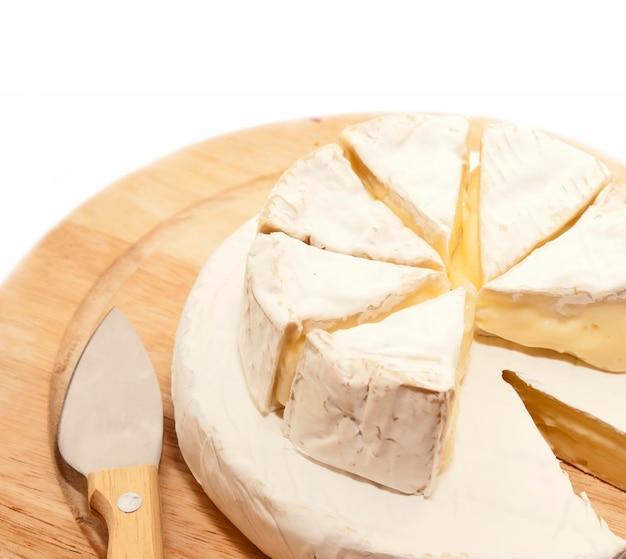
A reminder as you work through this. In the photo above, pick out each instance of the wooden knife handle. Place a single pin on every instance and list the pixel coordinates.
(128, 500)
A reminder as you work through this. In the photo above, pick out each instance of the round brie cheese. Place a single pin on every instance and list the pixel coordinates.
(264, 295)
(503, 496)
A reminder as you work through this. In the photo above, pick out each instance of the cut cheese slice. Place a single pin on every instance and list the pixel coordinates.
(417, 164)
(581, 413)
(292, 287)
(570, 294)
(503, 495)
(321, 201)
(531, 187)
(388, 391)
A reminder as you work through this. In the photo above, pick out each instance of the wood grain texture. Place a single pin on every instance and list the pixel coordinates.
(136, 533)
(139, 245)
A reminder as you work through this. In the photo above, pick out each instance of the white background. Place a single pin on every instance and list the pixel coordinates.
(90, 91)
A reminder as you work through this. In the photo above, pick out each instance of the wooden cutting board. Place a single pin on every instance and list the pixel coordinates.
(139, 245)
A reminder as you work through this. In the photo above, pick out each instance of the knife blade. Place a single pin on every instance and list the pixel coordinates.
(111, 431)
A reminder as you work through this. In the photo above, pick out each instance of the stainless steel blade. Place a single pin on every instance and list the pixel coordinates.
(112, 416)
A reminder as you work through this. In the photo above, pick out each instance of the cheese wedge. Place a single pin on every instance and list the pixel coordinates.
(292, 287)
(570, 294)
(321, 201)
(417, 164)
(503, 496)
(531, 187)
(379, 400)
(581, 413)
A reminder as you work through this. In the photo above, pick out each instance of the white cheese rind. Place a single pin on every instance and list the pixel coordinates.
(532, 185)
(386, 390)
(520, 506)
(586, 263)
(421, 161)
(321, 201)
(291, 288)
(573, 287)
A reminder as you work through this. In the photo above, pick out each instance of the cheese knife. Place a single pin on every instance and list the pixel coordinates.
(111, 431)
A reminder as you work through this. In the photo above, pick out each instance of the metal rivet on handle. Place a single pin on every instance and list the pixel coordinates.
(129, 502)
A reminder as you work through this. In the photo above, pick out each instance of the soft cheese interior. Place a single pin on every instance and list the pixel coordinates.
(418, 165)
(321, 201)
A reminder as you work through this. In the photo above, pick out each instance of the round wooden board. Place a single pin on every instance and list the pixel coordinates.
(139, 245)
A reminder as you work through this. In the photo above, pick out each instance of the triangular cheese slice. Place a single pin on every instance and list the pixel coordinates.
(362, 377)
(417, 164)
(531, 186)
(292, 287)
(321, 201)
(570, 294)
(581, 412)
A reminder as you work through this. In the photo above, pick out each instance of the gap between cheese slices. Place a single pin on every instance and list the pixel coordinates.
(575, 436)
(568, 295)
(291, 288)
(465, 262)
(531, 187)
(293, 344)
(465, 265)
(418, 166)
(413, 360)
(322, 202)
